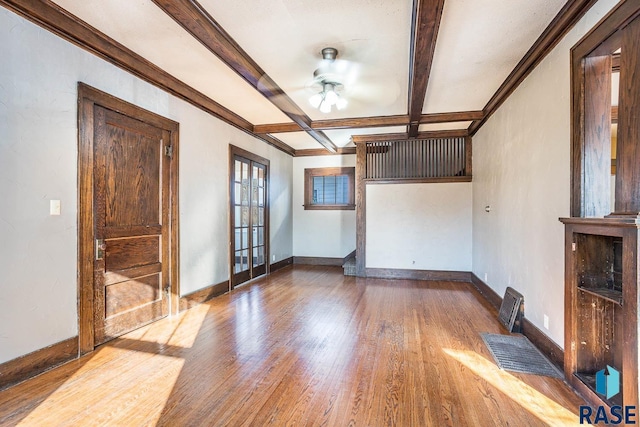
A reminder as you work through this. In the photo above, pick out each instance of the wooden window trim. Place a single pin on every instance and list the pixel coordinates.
(310, 173)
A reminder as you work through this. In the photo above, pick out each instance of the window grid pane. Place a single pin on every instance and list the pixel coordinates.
(330, 190)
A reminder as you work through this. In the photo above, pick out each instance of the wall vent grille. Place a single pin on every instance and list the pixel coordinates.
(512, 310)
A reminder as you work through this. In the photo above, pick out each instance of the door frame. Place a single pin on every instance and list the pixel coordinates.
(88, 97)
(237, 151)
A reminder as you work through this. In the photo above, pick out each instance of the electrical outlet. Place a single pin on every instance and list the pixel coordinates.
(486, 277)
(546, 322)
(273, 257)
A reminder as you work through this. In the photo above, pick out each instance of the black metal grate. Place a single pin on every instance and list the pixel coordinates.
(512, 310)
(516, 353)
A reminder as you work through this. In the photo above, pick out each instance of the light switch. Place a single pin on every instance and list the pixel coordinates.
(54, 207)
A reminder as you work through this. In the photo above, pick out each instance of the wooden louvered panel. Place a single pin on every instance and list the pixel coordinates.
(417, 159)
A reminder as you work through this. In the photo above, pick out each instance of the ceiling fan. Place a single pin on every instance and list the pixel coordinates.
(329, 77)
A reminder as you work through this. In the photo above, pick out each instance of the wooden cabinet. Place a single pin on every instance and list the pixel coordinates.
(601, 305)
(601, 238)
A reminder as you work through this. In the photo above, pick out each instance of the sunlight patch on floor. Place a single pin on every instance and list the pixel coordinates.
(179, 331)
(116, 401)
(529, 398)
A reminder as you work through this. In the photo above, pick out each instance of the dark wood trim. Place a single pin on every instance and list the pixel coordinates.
(361, 210)
(28, 366)
(577, 125)
(627, 192)
(538, 338)
(310, 173)
(349, 256)
(309, 260)
(329, 207)
(596, 148)
(279, 265)
(272, 140)
(396, 273)
(545, 344)
(425, 23)
(360, 122)
(323, 152)
(88, 97)
(444, 179)
(603, 39)
(368, 122)
(615, 62)
(203, 295)
(623, 13)
(468, 144)
(461, 116)
(174, 220)
(568, 16)
(455, 133)
(347, 123)
(196, 21)
(55, 19)
(234, 150)
(489, 294)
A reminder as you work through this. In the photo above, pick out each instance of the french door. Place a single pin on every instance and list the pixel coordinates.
(249, 215)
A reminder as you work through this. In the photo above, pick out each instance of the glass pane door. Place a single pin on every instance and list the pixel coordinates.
(258, 219)
(249, 219)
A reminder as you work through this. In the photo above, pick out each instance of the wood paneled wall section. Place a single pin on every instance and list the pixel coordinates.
(361, 210)
(597, 137)
(628, 158)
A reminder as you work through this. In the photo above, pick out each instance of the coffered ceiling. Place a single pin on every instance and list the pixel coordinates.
(409, 66)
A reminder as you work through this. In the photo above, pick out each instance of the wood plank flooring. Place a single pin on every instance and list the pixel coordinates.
(305, 346)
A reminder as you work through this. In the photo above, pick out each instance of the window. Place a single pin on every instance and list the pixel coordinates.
(329, 188)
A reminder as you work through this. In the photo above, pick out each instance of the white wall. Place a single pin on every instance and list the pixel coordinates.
(419, 226)
(319, 233)
(38, 162)
(521, 169)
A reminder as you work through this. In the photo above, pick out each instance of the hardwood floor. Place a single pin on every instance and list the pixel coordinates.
(306, 346)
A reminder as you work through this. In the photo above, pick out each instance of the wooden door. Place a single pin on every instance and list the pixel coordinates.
(249, 216)
(131, 217)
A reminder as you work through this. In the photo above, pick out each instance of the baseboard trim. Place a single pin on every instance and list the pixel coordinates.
(349, 256)
(28, 366)
(545, 344)
(202, 295)
(280, 264)
(309, 260)
(489, 294)
(393, 273)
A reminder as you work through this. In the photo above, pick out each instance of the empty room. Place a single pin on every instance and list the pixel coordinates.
(361, 212)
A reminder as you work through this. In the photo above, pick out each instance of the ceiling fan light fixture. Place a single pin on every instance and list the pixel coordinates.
(330, 93)
(325, 107)
(341, 104)
(316, 99)
(329, 96)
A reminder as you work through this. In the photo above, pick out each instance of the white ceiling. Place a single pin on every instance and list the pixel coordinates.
(478, 45)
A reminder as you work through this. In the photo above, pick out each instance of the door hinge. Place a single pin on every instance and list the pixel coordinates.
(168, 150)
(101, 246)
